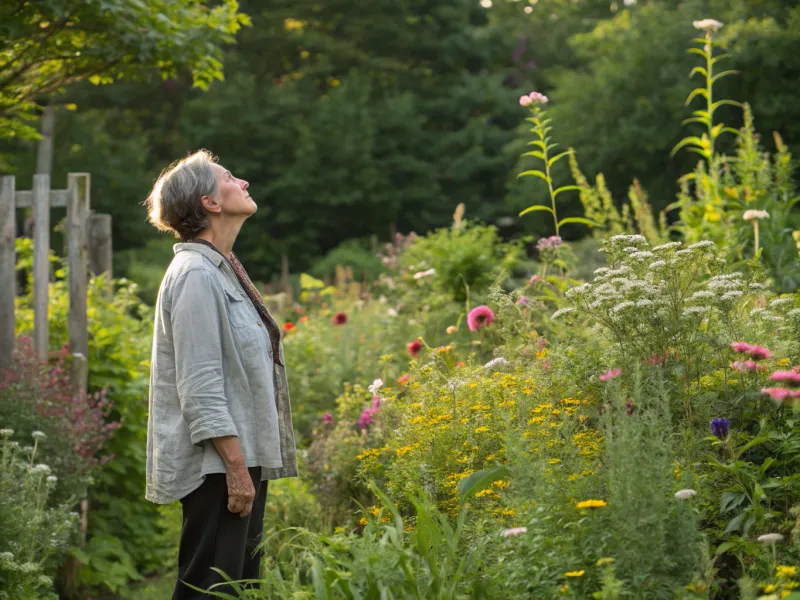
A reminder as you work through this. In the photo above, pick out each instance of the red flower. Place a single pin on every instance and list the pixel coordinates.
(414, 347)
(403, 379)
(339, 318)
(303, 319)
(288, 326)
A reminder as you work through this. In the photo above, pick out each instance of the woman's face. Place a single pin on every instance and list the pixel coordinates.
(233, 198)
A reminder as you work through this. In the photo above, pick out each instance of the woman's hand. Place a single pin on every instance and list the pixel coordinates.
(241, 491)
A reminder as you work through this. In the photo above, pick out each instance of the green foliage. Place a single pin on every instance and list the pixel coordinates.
(355, 254)
(48, 45)
(34, 537)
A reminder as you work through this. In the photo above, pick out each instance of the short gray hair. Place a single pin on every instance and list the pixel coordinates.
(174, 204)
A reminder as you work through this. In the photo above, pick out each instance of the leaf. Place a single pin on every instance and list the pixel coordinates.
(701, 70)
(723, 547)
(557, 157)
(723, 74)
(730, 500)
(536, 207)
(687, 141)
(734, 524)
(752, 443)
(696, 92)
(480, 480)
(536, 153)
(566, 188)
(536, 173)
(719, 103)
(581, 220)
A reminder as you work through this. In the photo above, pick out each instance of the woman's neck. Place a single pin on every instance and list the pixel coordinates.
(222, 238)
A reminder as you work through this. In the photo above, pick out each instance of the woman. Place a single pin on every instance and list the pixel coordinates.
(220, 423)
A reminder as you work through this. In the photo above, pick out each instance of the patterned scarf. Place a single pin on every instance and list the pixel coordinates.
(255, 298)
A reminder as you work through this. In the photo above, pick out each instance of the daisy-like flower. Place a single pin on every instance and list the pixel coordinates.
(514, 531)
(479, 317)
(610, 374)
(707, 24)
(591, 504)
(375, 387)
(769, 539)
(339, 318)
(685, 494)
(414, 347)
(751, 215)
(574, 573)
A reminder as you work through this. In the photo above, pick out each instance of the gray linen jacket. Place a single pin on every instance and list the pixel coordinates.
(212, 374)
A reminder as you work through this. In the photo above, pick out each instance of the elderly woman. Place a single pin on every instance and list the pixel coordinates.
(220, 424)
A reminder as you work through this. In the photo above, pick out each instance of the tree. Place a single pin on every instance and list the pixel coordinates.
(46, 45)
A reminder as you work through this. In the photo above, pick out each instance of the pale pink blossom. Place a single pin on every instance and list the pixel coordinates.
(514, 531)
(525, 101)
(779, 394)
(751, 215)
(789, 377)
(610, 374)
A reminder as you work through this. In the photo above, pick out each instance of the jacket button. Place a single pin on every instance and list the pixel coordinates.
(260, 324)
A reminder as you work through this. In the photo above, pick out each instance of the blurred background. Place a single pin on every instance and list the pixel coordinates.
(356, 119)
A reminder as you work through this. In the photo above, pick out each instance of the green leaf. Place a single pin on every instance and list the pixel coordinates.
(696, 92)
(701, 70)
(719, 103)
(687, 141)
(480, 480)
(581, 220)
(723, 74)
(566, 188)
(536, 153)
(557, 157)
(751, 444)
(536, 207)
(535, 173)
(699, 51)
(723, 547)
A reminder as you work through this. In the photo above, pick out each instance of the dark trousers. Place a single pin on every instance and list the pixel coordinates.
(212, 536)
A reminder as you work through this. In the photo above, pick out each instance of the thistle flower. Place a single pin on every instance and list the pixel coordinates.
(720, 427)
(685, 494)
(791, 378)
(414, 347)
(514, 531)
(339, 318)
(479, 317)
(769, 539)
(610, 374)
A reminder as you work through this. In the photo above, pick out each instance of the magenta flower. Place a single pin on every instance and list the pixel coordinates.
(365, 420)
(755, 352)
(780, 394)
(523, 301)
(480, 316)
(533, 280)
(327, 418)
(790, 378)
(740, 347)
(747, 365)
(376, 402)
(610, 374)
(548, 243)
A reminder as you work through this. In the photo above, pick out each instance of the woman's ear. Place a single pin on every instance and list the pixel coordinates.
(211, 204)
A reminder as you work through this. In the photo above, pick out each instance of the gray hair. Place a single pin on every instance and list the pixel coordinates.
(174, 204)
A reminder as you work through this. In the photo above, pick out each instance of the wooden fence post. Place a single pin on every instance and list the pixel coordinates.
(100, 248)
(8, 272)
(41, 263)
(77, 215)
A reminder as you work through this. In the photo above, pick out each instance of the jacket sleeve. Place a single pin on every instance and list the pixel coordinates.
(198, 310)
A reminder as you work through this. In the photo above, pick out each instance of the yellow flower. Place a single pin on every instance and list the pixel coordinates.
(554, 461)
(417, 420)
(770, 588)
(786, 571)
(592, 504)
(574, 573)
(404, 450)
(602, 562)
(481, 429)
(486, 492)
(363, 521)
(564, 589)
(304, 54)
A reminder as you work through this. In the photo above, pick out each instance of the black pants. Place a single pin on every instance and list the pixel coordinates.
(212, 536)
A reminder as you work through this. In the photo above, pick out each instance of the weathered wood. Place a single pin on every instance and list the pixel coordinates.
(8, 275)
(79, 374)
(58, 198)
(44, 154)
(100, 249)
(77, 217)
(41, 263)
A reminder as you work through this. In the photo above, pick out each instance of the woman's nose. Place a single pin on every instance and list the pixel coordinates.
(244, 184)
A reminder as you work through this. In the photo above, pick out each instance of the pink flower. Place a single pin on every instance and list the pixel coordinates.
(525, 101)
(610, 374)
(327, 418)
(537, 97)
(779, 394)
(514, 531)
(747, 365)
(376, 402)
(755, 352)
(533, 280)
(523, 301)
(791, 378)
(414, 347)
(479, 317)
(402, 380)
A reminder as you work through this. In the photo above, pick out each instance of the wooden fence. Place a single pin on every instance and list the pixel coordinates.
(88, 242)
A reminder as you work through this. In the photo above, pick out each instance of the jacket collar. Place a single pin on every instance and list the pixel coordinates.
(209, 253)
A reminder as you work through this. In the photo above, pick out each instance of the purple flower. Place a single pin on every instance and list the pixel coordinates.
(719, 427)
(327, 418)
(376, 402)
(548, 243)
